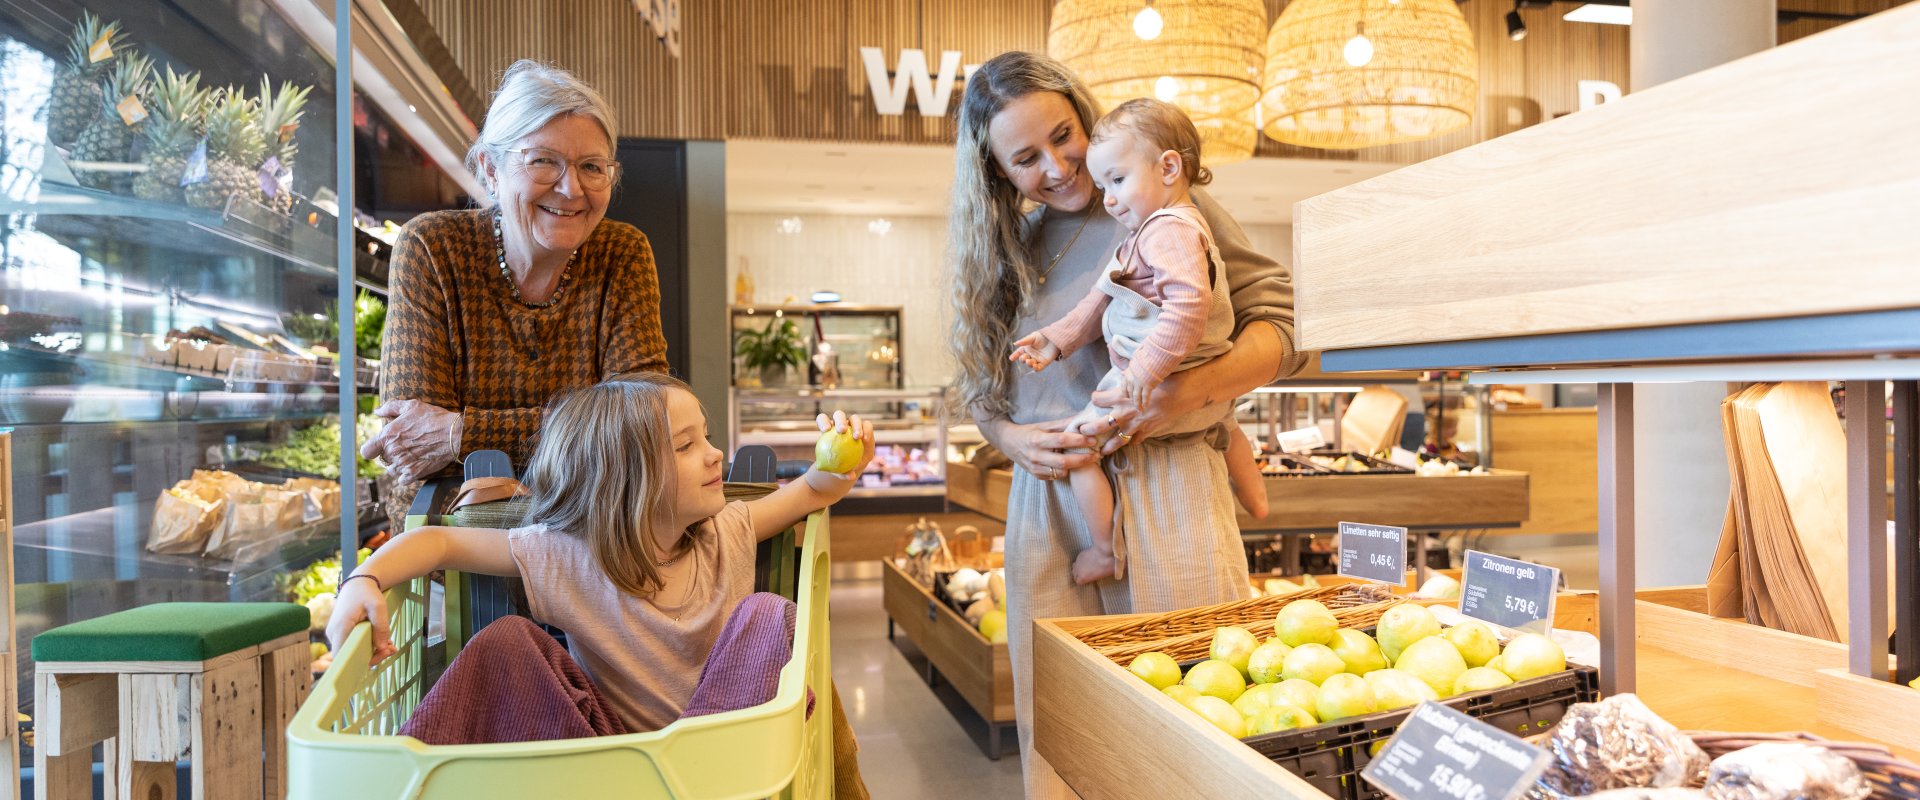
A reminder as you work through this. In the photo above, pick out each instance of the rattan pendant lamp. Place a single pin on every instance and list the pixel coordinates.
(1344, 74)
(1202, 55)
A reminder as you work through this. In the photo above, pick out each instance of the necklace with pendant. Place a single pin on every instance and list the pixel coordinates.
(1084, 219)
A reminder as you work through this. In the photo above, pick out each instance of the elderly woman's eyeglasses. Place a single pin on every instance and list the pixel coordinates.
(547, 167)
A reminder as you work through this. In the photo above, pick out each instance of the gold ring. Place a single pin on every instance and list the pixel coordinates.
(1053, 473)
(1124, 437)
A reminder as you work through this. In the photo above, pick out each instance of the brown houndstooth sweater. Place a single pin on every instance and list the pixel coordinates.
(458, 339)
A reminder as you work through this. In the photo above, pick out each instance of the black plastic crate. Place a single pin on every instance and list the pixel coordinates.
(1375, 466)
(1330, 756)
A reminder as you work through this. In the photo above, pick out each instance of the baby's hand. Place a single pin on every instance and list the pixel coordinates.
(1034, 351)
(1137, 390)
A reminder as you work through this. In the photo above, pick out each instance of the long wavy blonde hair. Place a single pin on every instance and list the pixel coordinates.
(603, 471)
(990, 252)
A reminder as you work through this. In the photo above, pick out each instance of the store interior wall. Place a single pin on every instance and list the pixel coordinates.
(905, 266)
(708, 346)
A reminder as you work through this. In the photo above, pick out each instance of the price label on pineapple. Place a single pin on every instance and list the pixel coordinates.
(1442, 753)
(1508, 592)
(1374, 552)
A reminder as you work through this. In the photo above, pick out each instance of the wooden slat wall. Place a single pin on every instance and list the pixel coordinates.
(777, 69)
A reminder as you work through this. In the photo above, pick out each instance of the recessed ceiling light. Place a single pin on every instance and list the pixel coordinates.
(1602, 14)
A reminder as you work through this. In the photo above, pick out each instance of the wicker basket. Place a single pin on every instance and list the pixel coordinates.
(1188, 633)
(1893, 778)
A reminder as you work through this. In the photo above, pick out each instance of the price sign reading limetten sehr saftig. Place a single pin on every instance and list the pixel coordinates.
(1507, 592)
(1442, 754)
(1374, 552)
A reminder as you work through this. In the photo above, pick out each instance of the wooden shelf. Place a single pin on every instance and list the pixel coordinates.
(1320, 503)
(1700, 200)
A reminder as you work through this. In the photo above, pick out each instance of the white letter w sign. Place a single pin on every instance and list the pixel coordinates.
(931, 93)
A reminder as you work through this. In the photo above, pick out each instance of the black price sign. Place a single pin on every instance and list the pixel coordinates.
(1509, 593)
(1374, 552)
(1442, 753)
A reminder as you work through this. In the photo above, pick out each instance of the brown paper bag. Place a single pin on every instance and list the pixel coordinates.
(183, 518)
(324, 494)
(258, 518)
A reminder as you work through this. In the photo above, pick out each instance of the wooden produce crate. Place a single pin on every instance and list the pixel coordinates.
(979, 670)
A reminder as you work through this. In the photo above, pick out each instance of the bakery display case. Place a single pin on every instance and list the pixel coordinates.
(167, 306)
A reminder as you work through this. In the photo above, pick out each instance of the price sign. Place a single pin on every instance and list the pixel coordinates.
(1374, 552)
(1509, 593)
(1442, 753)
(1302, 440)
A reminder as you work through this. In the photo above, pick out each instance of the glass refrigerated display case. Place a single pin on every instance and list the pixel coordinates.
(167, 302)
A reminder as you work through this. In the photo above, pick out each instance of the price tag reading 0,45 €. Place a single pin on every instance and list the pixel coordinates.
(1508, 592)
(1442, 754)
(1374, 552)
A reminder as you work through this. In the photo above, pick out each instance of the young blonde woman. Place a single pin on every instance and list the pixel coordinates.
(1028, 241)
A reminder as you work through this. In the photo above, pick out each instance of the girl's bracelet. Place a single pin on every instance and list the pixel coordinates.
(369, 576)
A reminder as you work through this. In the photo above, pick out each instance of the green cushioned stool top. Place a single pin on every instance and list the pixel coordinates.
(171, 632)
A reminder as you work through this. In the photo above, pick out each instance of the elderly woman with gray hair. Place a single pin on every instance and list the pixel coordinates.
(497, 310)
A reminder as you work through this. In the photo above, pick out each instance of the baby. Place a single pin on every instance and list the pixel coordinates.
(1161, 304)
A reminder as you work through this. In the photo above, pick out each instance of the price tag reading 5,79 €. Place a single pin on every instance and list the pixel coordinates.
(1509, 593)
(1442, 754)
(1374, 552)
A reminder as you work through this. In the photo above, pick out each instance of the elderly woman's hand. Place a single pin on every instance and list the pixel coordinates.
(421, 439)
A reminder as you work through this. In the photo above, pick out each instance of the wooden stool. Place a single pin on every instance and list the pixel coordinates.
(216, 683)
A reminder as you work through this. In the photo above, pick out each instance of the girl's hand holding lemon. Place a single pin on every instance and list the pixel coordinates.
(845, 447)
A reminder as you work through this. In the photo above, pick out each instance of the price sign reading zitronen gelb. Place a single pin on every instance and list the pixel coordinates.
(1442, 754)
(1508, 593)
(1374, 552)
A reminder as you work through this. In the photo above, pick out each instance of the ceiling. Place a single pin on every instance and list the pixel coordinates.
(783, 177)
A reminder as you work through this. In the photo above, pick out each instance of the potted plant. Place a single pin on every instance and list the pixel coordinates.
(772, 350)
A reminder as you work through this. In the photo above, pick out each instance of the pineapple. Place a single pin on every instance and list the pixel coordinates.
(109, 138)
(179, 103)
(235, 148)
(76, 88)
(279, 118)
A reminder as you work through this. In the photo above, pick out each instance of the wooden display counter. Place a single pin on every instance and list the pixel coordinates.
(1109, 734)
(979, 670)
(1320, 503)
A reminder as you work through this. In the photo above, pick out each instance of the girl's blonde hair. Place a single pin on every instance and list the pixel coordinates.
(993, 265)
(1163, 126)
(604, 471)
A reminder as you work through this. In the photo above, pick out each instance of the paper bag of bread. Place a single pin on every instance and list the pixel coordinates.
(184, 517)
(324, 495)
(256, 517)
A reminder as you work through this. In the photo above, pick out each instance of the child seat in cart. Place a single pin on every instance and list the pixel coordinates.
(343, 738)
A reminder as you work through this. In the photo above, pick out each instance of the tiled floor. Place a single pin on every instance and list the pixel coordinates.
(915, 742)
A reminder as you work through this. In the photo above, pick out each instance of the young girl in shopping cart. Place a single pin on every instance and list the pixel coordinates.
(634, 551)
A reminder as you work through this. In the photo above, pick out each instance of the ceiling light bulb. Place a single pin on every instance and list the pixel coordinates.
(1147, 24)
(1359, 50)
(1516, 27)
(1166, 88)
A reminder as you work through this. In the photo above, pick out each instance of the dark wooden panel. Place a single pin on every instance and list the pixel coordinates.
(655, 201)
